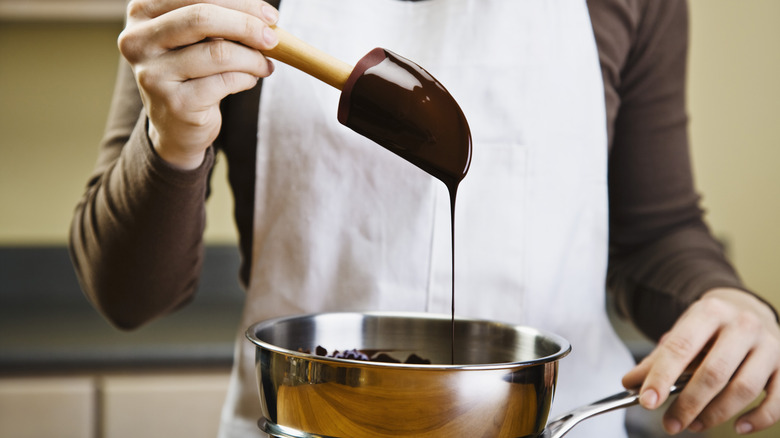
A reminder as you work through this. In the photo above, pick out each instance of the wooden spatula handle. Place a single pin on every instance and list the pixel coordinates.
(310, 60)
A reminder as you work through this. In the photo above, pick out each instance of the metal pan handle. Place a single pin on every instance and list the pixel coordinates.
(561, 425)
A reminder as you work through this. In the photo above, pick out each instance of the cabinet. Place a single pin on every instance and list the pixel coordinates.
(149, 404)
(33, 407)
(163, 405)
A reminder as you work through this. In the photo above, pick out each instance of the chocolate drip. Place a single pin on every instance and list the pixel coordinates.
(400, 106)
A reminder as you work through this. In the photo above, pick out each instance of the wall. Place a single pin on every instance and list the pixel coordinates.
(734, 101)
(735, 107)
(56, 81)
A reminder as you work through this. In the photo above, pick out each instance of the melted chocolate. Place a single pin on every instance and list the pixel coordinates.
(367, 355)
(400, 106)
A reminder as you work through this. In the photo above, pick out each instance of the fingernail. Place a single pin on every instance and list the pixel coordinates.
(744, 427)
(271, 14)
(648, 399)
(672, 426)
(696, 426)
(269, 36)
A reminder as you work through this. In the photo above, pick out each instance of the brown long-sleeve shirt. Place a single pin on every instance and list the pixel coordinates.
(137, 234)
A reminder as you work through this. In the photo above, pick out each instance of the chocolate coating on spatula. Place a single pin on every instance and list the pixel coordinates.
(400, 106)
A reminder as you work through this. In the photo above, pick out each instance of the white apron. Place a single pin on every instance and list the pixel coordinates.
(343, 224)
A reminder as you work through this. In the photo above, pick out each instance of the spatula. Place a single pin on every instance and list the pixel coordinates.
(392, 101)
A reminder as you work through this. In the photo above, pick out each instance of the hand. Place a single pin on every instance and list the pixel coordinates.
(733, 341)
(187, 55)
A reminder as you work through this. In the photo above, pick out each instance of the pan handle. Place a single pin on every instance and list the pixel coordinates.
(561, 425)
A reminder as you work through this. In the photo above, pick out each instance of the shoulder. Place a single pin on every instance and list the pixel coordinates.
(642, 48)
(631, 32)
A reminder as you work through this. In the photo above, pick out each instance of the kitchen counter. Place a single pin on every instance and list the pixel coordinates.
(46, 324)
(79, 339)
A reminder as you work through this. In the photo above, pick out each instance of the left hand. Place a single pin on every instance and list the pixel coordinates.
(736, 338)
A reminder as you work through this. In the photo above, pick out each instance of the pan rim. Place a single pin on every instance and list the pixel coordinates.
(563, 350)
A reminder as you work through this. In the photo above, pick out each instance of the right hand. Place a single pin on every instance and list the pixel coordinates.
(187, 55)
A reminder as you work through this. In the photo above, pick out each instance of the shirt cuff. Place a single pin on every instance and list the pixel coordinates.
(162, 170)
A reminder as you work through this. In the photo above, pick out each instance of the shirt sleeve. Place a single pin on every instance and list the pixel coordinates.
(662, 254)
(136, 234)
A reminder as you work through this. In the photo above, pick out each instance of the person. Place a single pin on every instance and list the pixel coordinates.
(580, 183)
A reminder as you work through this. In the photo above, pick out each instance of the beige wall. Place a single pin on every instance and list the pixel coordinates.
(55, 82)
(735, 131)
(56, 79)
(735, 110)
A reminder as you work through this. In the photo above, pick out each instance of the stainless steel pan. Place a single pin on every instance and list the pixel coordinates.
(500, 385)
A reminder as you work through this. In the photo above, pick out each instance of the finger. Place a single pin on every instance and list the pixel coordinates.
(678, 350)
(744, 387)
(637, 375)
(196, 103)
(712, 375)
(192, 24)
(196, 120)
(214, 88)
(634, 378)
(214, 57)
(227, 68)
(147, 9)
(766, 414)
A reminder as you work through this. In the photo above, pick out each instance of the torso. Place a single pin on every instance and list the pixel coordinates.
(516, 280)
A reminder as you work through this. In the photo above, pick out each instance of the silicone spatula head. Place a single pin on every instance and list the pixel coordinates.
(396, 103)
